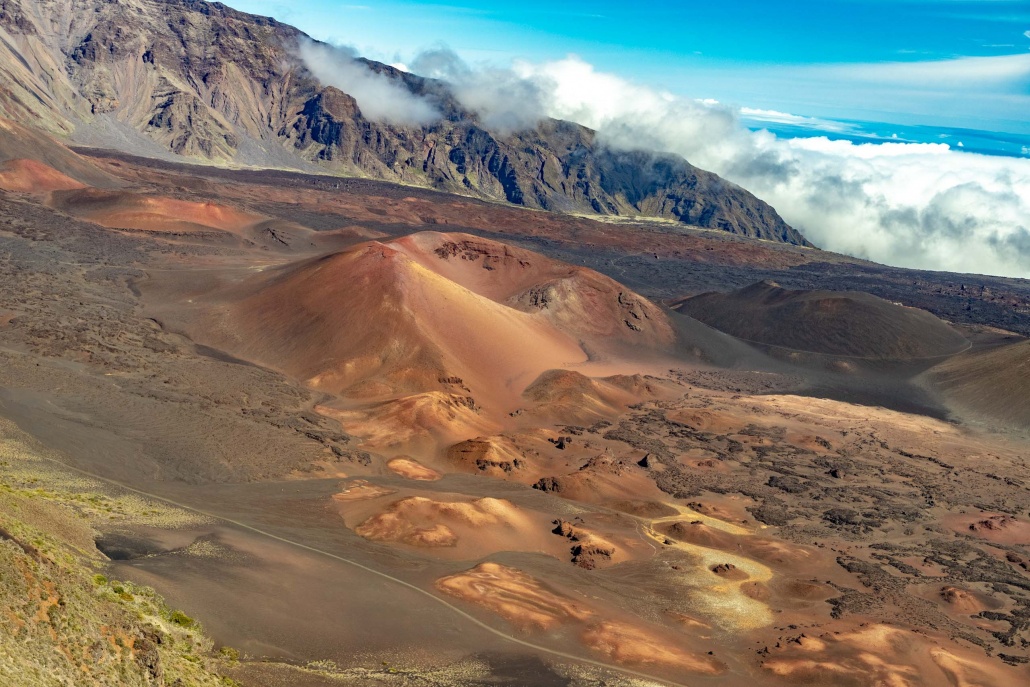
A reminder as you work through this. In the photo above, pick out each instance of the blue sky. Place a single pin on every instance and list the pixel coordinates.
(903, 61)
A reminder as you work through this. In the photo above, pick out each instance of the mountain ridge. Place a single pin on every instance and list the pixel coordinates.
(208, 83)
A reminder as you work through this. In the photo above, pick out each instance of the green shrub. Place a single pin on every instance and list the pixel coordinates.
(230, 654)
(181, 619)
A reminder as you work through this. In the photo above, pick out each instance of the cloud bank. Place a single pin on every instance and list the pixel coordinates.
(504, 101)
(911, 205)
(379, 97)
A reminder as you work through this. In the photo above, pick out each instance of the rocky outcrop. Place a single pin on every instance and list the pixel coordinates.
(588, 550)
(204, 81)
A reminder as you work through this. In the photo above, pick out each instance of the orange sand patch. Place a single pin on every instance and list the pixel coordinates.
(471, 529)
(127, 210)
(887, 656)
(529, 604)
(30, 176)
(570, 397)
(360, 490)
(688, 621)
(966, 671)
(779, 553)
(631, 645)
(419, 421)
(700, 534)
(961, 600)
(805, 590)
(995, 527)
(495, 456)
(520, 599)
(412, 469)
(815, 412)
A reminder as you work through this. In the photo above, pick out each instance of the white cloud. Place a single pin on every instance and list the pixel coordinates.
(754, 115)
(965, 72)
(504, 101)
(913, 205)
(379, 97)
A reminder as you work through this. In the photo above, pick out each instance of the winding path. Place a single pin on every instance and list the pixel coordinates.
(443, 602)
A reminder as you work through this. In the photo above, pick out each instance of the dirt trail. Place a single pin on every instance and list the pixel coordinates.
(390, 578)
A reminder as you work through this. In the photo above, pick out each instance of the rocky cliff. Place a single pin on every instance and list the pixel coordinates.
(204, 81)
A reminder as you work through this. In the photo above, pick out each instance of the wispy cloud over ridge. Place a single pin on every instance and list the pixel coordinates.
(379, 97)
(504, 101)
(906, 204)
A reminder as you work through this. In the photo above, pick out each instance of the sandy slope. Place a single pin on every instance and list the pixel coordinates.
(30, 176)
(992, 383)
(829, 322)
(410, 316)
(51, 160)
(129, 210)
(572, 397)
(593, 308)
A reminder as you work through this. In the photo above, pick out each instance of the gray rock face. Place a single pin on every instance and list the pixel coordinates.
(206, 82)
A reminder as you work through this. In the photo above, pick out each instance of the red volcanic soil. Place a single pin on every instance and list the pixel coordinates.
(593, 308)
(433, 313)
(416, 422)
(570, 397)
(830, 322)
(410, 468)
(996, 527)
(461, 529)
(127, 210)
(30, 176)
(34, 157)
(496, 456)
(961, 600)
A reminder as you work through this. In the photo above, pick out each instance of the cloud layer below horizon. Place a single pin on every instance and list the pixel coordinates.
(910, 205)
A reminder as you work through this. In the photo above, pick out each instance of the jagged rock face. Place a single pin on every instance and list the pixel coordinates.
(207, 82)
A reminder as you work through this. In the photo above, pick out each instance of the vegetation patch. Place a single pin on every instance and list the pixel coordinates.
(61, 621)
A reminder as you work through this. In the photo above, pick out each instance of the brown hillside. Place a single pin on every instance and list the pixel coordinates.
(993, 383)
(829, 322)
(128, 210)
(412, 316)
(34, 162)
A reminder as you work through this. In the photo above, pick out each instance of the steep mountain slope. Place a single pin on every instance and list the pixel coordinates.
(201, 80)
(829, 322)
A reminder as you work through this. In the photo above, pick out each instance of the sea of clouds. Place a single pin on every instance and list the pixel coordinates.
(906, 204)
